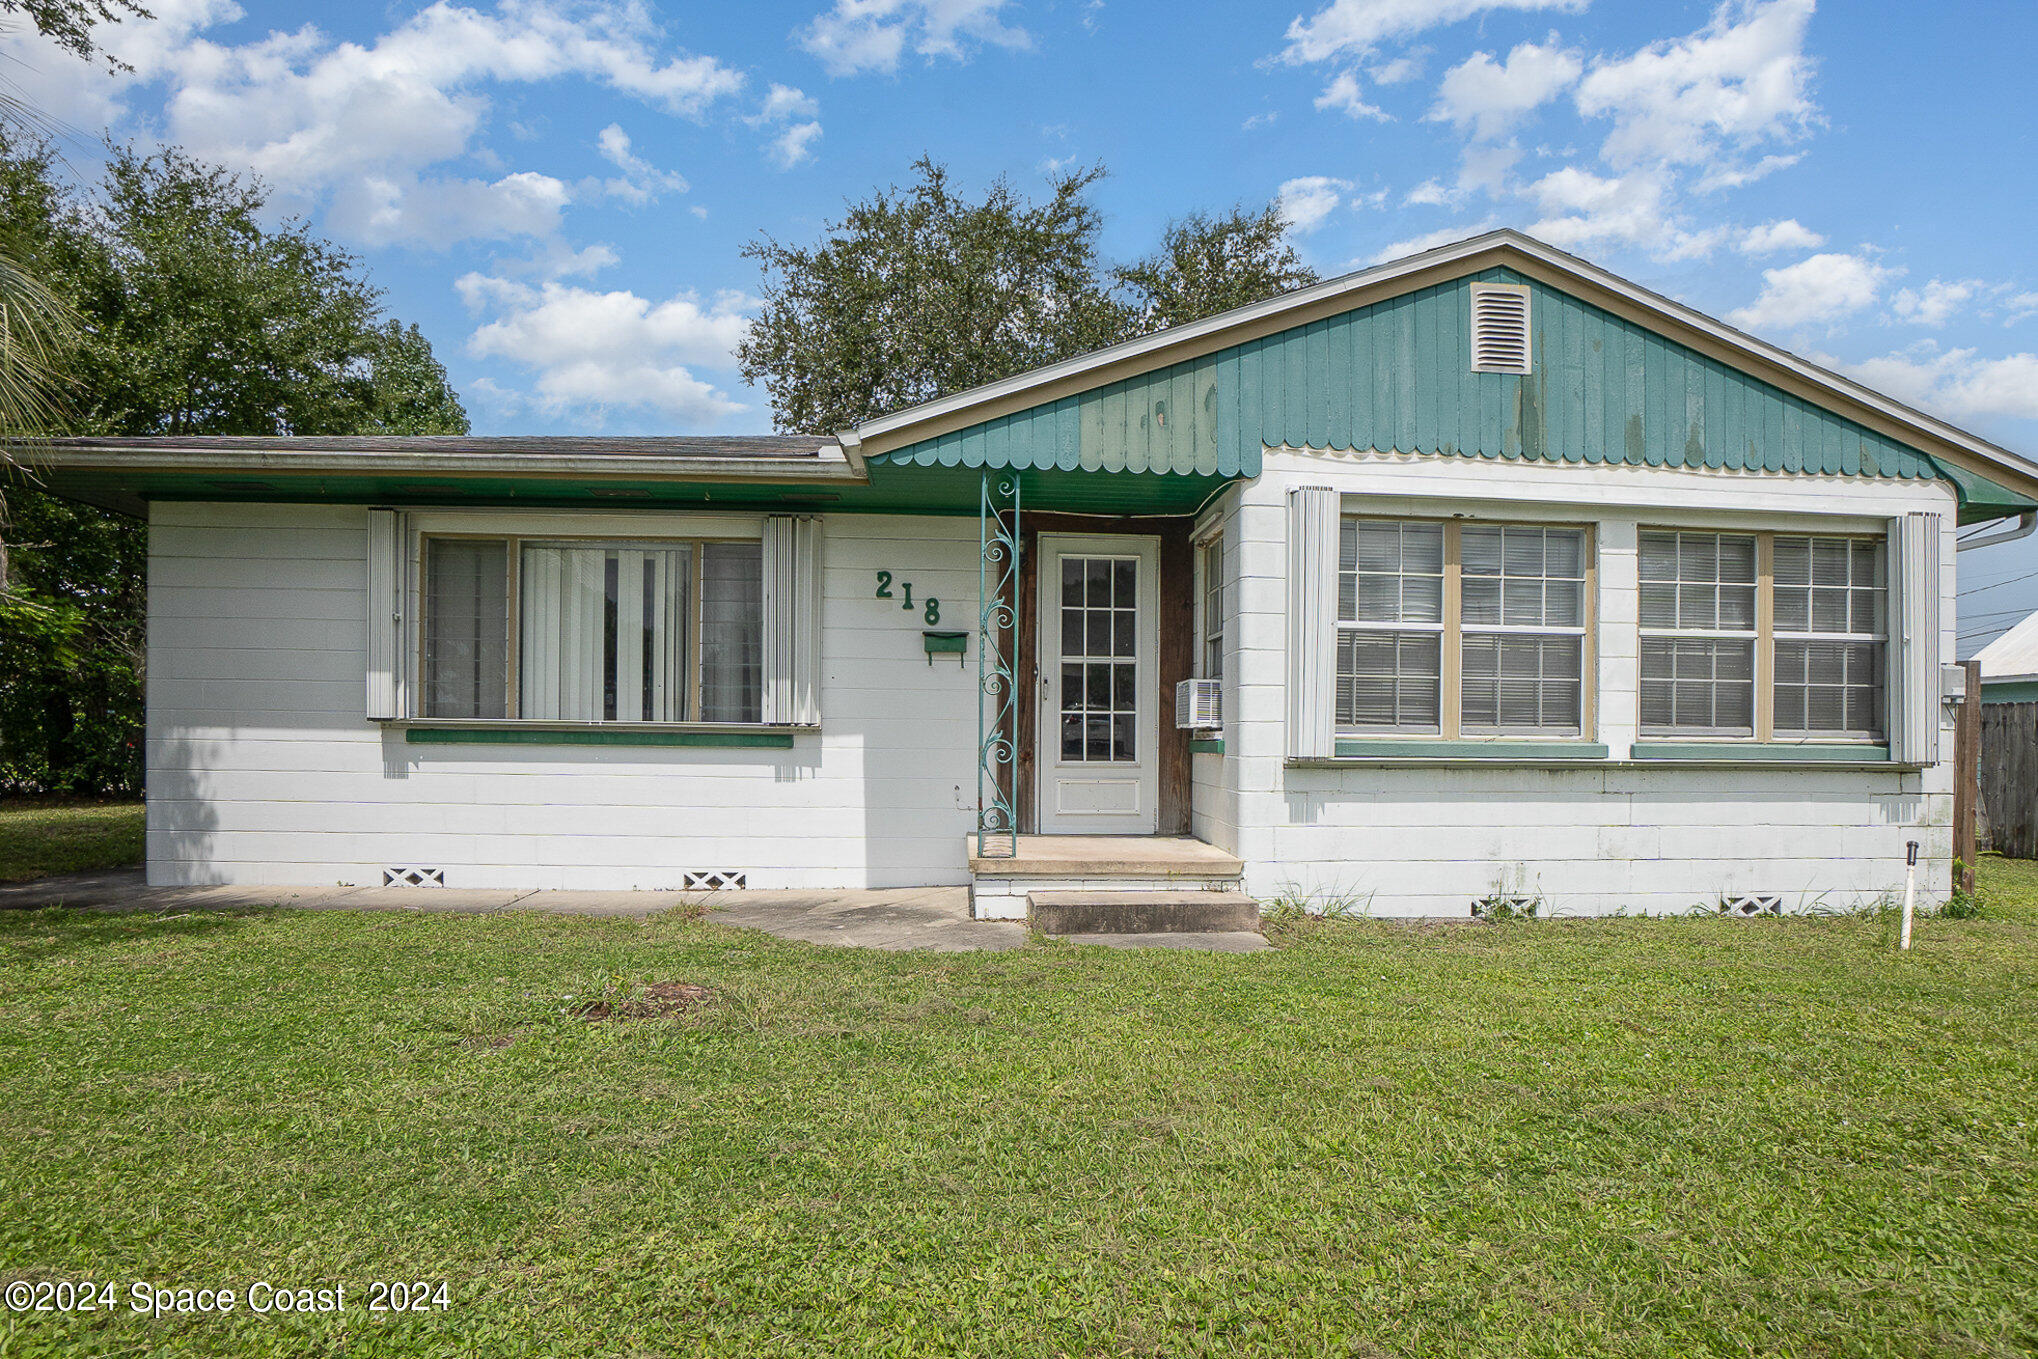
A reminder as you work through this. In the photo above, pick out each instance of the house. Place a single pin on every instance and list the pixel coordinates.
(2009, 665)
(2008, 767)
(1504, 579)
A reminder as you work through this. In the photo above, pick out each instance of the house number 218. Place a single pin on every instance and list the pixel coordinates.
(930, 608)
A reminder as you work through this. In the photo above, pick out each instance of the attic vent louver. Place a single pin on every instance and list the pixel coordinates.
(1500, 328)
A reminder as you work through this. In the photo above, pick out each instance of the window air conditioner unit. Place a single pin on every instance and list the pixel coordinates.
(1198, 704)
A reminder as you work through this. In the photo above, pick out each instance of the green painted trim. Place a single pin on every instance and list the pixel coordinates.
(606, 736)
(1761, 754)
(1394, 748)
(2009, 691)
(1206, 745)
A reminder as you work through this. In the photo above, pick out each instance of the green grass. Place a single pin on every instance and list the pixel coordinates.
(40, 836)
(1627, 1137)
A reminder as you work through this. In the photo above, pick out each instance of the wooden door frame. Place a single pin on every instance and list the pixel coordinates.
(1175, 619)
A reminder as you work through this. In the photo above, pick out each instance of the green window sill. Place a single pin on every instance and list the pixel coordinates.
(1752, 753)
(1206, 745)
(1365, 748)
(619, 735)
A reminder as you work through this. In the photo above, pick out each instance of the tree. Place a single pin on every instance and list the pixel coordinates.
(1207, 264)
(918, 293)
(197, 317)
(69, 23)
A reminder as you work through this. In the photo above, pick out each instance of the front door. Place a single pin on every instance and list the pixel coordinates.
(1098, 720)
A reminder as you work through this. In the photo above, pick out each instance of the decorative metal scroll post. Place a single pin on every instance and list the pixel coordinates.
(997, 672)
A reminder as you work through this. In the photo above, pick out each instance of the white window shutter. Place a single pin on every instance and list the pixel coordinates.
(1312, 622)
(792, 619)
(384, 614)
(1913, 699)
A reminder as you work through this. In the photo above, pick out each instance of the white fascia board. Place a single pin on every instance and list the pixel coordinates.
(831, 465)
(1495, 243)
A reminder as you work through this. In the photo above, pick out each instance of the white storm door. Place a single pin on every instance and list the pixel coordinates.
(1098, 720)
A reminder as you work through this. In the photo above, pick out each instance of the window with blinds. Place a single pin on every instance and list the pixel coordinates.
(1698, 634)
(1523, 628)
(577, 631)
(1390, 626)
(1762, 635)
(1449, 628)
(1832, 600)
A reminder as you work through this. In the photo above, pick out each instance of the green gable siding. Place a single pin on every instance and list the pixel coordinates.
(1396, 376)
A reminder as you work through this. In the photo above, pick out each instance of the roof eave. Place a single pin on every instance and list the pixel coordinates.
(1505, 246)
(173, 461)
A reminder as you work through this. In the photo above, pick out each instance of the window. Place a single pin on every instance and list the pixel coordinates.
(1524, 628)
(1831, 602)
(1450, 629)
(1210, 561)
(577, 631)
(1763, 635)
(1698, 633)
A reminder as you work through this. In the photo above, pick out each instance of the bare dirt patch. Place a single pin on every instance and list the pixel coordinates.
(656, 1000)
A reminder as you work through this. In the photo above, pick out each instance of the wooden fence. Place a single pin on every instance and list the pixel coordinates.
(2009, 777)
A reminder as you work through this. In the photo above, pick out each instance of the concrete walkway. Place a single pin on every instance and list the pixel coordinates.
(929, 917)
(935, 918)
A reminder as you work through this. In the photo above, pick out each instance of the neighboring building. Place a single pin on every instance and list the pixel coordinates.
(2008, 772)
(1510, 579)
(2009, 665)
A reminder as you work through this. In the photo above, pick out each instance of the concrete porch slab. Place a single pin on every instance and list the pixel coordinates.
(1107, 856)
(935, 918)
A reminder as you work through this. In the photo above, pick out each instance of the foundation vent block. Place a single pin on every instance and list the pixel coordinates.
(1752, 904)
(411, 876)
(713, 880)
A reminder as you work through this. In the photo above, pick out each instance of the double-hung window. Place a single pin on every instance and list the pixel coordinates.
(1763, 636)
(1449, 628)
(661, 631)
(1210, 563)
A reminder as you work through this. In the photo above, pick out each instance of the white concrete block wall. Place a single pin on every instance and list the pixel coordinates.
(1428, 840)
(263, 770)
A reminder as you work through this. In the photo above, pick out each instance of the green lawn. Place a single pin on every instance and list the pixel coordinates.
(40, 836)
(1628, 1137)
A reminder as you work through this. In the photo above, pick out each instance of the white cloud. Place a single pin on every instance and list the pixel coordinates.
(641, 182)
(2020, 306)
(361, 124)
(795, 144)
(610, 349)
(1741, 80)
(1307, 202)
(1429, 193)
(1955, 383)
(1428, 240)
(857, 36)
(1773, 238)
(1820, 288)
(1490, 97)
(400, 209)
(1935, 303)
(1259, 120)
(784, 103)
(1344, 94)
(1355, 27)
(796, 116)
(1398, 71)
(1737, 174)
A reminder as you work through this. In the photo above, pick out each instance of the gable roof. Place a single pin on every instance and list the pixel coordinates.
(1811, 419)
(2012, 656)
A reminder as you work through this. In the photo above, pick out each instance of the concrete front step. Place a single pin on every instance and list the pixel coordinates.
(1203, 912)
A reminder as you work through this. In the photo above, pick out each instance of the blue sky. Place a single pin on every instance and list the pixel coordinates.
(558, 193)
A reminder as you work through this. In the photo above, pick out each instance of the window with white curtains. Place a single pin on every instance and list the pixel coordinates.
(580, 631)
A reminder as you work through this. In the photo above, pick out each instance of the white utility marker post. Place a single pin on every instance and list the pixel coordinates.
(1910, 888)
